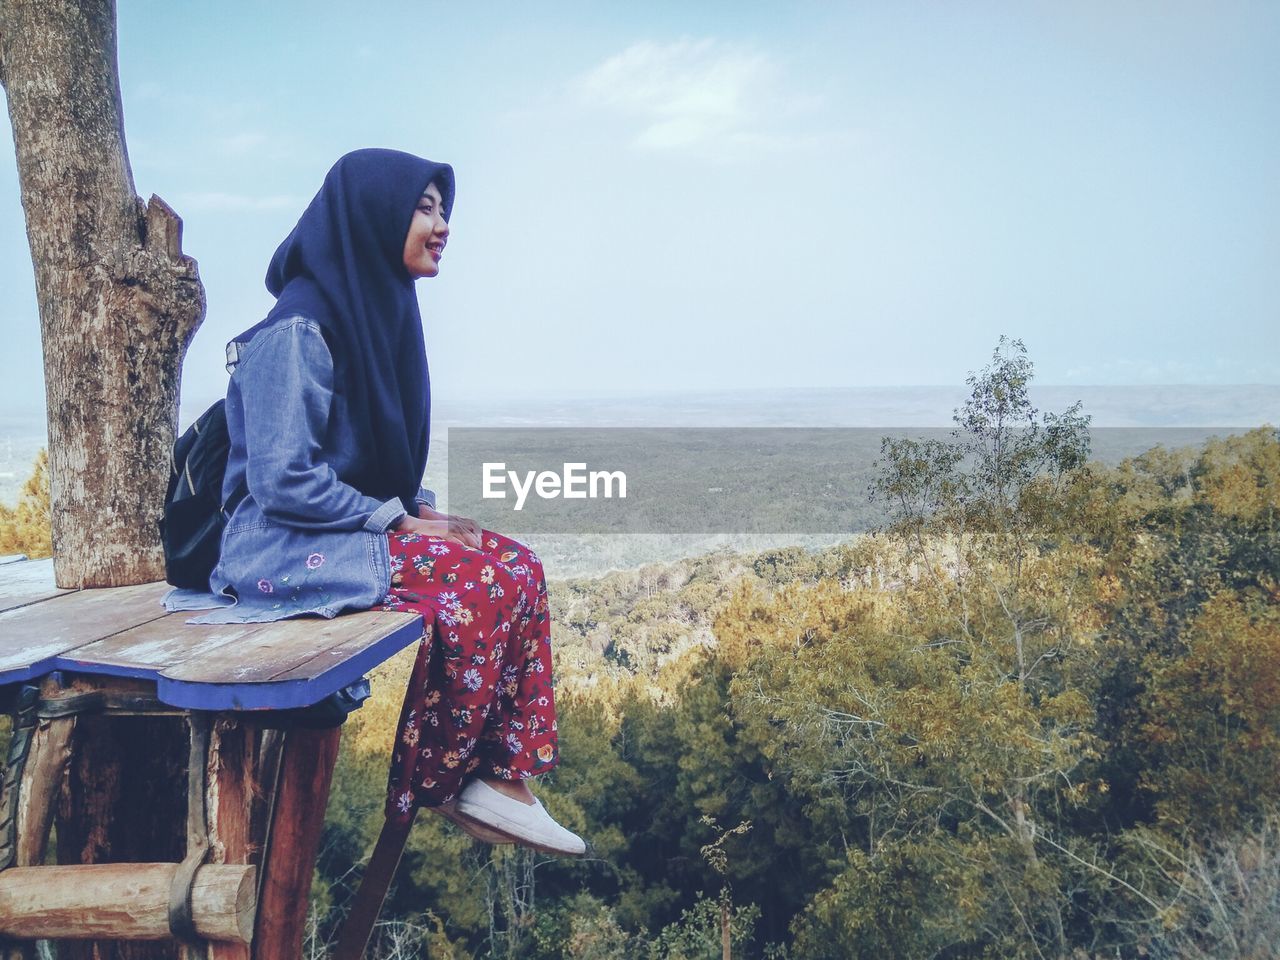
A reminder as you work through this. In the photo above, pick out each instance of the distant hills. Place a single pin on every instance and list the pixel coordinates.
(22, 431)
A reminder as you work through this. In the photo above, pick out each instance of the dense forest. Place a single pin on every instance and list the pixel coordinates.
(1037, 715)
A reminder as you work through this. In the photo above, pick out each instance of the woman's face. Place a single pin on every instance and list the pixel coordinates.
(427, 236)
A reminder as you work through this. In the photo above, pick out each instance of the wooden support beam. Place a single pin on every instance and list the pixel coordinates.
(41, 781)
(306, 772)
(232, 762)
(354, 938)
(182, 893)
(122, 901)
(47, 762)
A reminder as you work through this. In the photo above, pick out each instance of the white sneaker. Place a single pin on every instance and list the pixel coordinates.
(468, 826)
(528, 824)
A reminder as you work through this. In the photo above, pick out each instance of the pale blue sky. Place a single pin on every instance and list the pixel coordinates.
(672, 196)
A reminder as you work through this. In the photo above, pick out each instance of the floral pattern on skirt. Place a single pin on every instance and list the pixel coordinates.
(480, 694)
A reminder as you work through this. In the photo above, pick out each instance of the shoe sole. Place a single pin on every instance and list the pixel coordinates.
(515, 837)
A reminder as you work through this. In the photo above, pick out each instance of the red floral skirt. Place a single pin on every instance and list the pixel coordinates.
(480, 694)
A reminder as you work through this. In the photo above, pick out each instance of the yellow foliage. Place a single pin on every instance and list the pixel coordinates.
(1215, 713)
(26, 528)
(1241, 477)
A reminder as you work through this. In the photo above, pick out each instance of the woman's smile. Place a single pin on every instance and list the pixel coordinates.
(428, 234)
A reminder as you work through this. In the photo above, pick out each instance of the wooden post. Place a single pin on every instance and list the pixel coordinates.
(354, 938)
(41, 780)
(306, 772)
(232, 761)
(37, 794)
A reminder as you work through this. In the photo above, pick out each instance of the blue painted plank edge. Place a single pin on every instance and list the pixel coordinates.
(260, 695)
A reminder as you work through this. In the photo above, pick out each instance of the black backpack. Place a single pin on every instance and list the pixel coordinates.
(194, 514)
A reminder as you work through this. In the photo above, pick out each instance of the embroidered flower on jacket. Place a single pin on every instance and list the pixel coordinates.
(405, 801)
(513, 743)
(546, 752)
(472, 679)
(265, 586)
(486, 574)
(315, 560)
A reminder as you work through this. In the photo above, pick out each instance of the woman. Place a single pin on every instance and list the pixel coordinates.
(328, 410)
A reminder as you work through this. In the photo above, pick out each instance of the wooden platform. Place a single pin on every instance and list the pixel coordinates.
(257, 786)
(125, 632)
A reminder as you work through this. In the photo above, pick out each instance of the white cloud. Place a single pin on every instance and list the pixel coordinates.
(689, 94)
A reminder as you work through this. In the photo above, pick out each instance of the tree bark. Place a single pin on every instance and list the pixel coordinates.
(123, 802)
(118, 300)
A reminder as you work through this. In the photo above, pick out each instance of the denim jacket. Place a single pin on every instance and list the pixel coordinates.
(301, 541)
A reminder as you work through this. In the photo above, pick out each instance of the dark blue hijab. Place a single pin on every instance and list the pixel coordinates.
(343, 266)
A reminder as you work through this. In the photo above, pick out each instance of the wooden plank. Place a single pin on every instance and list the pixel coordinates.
(305, 776)
(275, 666)
(236, 653)
(281, 648)
(152, 647)
(26, 582)
(321, 662)
(32, 636)
(125, 632)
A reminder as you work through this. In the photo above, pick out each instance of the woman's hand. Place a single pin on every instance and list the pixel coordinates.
(432, 523)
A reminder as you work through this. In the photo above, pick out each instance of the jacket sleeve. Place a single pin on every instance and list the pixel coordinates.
(426, 497)
(286, 386)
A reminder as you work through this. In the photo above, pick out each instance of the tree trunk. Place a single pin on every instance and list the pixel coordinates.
(118, 300)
